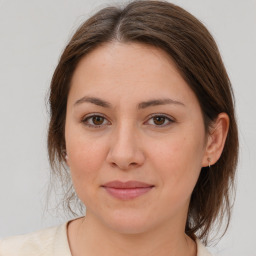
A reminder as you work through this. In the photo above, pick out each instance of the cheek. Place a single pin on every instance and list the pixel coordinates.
(178, 162)
(85, 160)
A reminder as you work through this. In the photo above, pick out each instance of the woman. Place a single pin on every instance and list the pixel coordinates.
(142, 117)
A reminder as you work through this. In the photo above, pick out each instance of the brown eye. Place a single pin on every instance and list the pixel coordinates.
(159, 120)
(97, 120)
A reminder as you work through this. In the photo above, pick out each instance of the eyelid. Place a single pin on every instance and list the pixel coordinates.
(168, 117)
(91, 115)
(86, 117)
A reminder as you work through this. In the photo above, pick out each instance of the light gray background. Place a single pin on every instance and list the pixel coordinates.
(32, 36)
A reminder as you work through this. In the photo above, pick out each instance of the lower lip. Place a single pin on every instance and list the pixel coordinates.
(127, 193)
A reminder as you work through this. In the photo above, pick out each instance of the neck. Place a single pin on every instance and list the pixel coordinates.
(88, 237)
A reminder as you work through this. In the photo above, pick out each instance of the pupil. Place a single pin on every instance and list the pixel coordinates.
(98, 120)
(159, 120)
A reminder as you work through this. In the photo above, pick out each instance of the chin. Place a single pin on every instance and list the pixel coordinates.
(129, 224)
(129, 228)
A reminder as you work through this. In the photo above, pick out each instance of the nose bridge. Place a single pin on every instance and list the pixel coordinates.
(124, 151)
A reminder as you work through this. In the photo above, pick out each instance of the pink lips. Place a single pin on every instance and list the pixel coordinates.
(127, 190)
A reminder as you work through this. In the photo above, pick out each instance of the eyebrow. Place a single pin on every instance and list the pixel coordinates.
(94, 100)
(142, 105)
(157, 102)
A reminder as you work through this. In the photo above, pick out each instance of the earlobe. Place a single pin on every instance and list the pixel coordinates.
(65, 156)
(216, 140)
(66, 160)
(209, 161)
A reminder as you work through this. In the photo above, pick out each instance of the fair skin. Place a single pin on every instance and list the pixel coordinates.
(132, 117)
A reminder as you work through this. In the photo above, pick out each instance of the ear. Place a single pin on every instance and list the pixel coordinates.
(65, 156)
(216, 140)
(66, 160)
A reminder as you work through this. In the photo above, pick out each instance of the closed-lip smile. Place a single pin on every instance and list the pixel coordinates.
(127, 190)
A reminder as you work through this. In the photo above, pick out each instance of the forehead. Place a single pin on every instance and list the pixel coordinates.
(118, 56)
(128, 70)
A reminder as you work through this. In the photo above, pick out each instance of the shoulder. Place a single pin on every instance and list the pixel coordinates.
(50, 241)
(201, 249)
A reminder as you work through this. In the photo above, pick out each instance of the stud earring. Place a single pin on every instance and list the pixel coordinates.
(209, 161)
(64, 153)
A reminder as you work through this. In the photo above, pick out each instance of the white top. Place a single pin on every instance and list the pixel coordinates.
(51, 242)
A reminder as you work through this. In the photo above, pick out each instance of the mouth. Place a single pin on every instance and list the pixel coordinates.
(127, 190)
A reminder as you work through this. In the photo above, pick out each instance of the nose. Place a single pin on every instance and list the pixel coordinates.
(125, 150)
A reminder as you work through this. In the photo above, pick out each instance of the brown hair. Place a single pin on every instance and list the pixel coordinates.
(192, 48)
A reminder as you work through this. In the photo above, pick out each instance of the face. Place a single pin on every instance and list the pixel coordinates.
(135, 138)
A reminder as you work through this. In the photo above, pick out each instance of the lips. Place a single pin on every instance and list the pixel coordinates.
(127, 190)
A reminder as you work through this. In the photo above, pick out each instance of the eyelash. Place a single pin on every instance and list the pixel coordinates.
(86, 120)
(166, 118)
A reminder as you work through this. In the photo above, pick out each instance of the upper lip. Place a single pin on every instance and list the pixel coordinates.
(127, 184)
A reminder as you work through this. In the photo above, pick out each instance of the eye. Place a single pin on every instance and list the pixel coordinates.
(160, 120)
(95, 121)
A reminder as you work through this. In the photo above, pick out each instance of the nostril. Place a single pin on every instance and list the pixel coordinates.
(113, 164)
(123, 166)
(125, 157)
